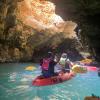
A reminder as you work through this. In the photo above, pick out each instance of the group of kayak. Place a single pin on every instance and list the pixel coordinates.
(56, 70)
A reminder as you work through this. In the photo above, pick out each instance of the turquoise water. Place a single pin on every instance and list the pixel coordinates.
(15, 84)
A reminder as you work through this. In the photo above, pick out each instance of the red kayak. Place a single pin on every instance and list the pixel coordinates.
(91, 68)
(40, 81)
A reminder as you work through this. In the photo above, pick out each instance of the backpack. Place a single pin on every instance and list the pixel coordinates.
(45, 64)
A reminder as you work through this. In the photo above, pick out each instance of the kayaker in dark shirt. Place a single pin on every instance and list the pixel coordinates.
(47, 65)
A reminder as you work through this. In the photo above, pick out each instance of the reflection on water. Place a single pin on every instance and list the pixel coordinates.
(15, 84)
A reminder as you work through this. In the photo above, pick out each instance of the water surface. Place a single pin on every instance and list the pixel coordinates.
(16, 84)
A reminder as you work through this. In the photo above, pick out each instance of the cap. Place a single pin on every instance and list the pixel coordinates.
(49, 54)
(64, 55)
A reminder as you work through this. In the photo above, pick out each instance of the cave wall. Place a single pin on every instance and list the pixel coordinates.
(13, 34)
(86, 13)
(23, 42)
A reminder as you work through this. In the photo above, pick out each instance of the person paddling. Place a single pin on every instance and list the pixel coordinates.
(65, 63)
(47, 65)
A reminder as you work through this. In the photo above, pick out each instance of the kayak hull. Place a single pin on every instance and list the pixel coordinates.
(40, 81)
(91, 98)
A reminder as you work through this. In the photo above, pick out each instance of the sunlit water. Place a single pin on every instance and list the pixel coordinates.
(16, 84)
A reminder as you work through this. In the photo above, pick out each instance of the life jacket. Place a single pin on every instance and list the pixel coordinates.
(45, 64)
(62, 61)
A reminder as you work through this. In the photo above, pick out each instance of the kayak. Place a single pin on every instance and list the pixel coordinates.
(79, 69)
(41, 81)
(91, 98)
(91, 68)
(87, 61)
(30, 68)
(83, 68)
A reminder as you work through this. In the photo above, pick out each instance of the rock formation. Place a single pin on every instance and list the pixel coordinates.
(29, 27)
